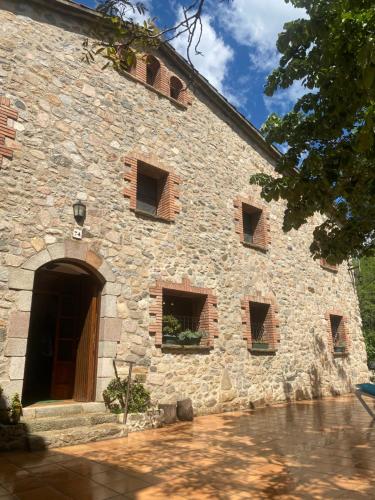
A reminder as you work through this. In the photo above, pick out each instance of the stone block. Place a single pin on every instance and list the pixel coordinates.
(21, 279)
(110, 329)
(170, 412)
(112, 289)
(75, 250)
(101, 385)
(107, 349)
(24, 299)
(105, 368)
(37, 261)
(19, 324)
(93, 259)
(16, 368)
(185, 410)
(15, 347)
(108, 307)
(107, 272)
(11, 387)
(56, 251)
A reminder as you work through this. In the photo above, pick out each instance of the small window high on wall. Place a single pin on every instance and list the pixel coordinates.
(176, 87)
(338, 333)
(251, 218)
(150, 186)
(152, 71)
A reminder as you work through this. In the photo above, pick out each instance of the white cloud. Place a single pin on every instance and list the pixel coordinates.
(256, 24)
(282, 101)
(215, 58)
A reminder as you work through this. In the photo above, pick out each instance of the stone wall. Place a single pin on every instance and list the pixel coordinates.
(75, 126)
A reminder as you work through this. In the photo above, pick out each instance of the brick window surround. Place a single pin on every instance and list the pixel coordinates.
(337, 323)
(208, 318)
(270, 323)
(7, 115)
(152, 72)
(258, 216)
(330, 267)
(168, 196)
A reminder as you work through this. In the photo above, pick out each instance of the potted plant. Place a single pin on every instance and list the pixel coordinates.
(171, 328)
(189, 337)
(260, 345)
(339, 347)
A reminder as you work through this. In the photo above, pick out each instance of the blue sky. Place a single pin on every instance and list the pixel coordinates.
(238, 47)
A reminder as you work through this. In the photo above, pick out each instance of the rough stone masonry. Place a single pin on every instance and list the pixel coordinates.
(74, 125)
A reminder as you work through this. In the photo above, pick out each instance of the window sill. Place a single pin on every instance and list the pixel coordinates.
(340, 354)
(185, 348)
(157, 91)
(147, 215)
(328, 268)
(267, 352)
(255, 246)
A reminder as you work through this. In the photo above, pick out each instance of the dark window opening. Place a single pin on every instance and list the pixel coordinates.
(259, 325)
(189, 311)
(150, 185)
(152, 70)
(175, 88)
(336, 329)
(251, 217)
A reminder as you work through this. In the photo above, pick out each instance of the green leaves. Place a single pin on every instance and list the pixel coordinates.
(328, 167)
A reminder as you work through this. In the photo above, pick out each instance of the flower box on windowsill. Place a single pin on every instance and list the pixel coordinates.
(339, 349)
(178, 348)
(260, 345)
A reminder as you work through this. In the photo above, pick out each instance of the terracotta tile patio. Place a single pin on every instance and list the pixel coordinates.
(322, 449)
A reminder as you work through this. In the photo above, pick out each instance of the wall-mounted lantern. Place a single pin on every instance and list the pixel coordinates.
(79, 211)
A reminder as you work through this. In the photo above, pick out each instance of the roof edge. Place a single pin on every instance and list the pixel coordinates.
(72, 8)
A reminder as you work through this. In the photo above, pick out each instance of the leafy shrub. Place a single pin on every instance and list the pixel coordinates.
(115, 396)
(188, 335)
(171, 325)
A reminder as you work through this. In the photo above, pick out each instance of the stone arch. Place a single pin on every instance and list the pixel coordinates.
(21, 280)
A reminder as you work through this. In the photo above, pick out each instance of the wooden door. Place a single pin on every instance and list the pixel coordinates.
(66, 340)
(87, 348)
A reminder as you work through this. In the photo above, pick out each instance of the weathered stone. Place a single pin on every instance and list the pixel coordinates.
(105, 368)
(170, 412)
(93, 259)
(110, 329)
(226, 383)
(107, 349)
(19, 324)
(56, 251)
(108, 306)
(15, 347)
(16, 368)
(21, 279)
(24, 299)
(185, 410)
(37, 261)
(37, 243)
(75, 250)
(13, 260)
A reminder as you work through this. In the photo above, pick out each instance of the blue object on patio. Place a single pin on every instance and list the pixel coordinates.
(366, 390)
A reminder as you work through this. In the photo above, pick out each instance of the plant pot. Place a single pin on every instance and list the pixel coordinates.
(170, 340)
(260, 345)
(339, 348)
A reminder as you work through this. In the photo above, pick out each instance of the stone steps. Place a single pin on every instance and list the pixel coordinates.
(75, 435)
(57, 423)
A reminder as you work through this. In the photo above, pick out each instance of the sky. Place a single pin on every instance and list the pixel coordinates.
(238, 49)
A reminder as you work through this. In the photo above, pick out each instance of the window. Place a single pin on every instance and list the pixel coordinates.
(330, 267)
(152, 190)
(252, 224)
(175, 86)
(261, 326)
(152, 71)
(338, 333)
(183, 315)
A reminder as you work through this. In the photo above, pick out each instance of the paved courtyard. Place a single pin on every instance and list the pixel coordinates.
(323, 449)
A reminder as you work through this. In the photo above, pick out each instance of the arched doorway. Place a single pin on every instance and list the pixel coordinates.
(62, 345)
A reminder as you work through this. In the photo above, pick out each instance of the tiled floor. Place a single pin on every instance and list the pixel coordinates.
(323, 449)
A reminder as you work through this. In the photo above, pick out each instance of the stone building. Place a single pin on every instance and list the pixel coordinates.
(161, 163)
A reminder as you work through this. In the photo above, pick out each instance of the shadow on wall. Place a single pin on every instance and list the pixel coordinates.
(327, 365)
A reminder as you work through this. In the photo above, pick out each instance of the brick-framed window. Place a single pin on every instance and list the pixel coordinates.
(151, 71)
(252, 223)
(260, 324)
(7, 131)
(329, 267)
(153, 189)
(337, 329)
(176, 298)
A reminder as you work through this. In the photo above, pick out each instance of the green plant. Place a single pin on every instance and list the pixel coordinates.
(171, 325)
(115, 396)
(15, 409)
(189, 335)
